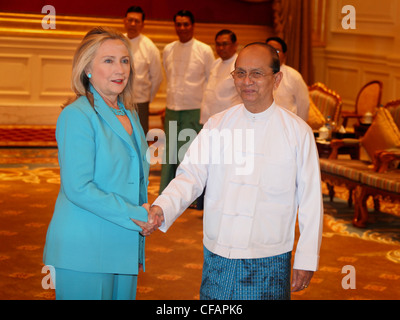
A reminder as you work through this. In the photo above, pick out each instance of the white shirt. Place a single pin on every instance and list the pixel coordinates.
(292, 92)
(148, 69)
(220, 92)
(187, 68)
(253, 215)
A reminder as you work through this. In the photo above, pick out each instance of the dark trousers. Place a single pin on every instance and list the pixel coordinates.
(182, 119)
(143, 112)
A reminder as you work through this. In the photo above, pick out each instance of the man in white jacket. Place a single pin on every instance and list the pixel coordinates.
(292, 92)
(259, 179)
(220, 92)
(147, 62)
(187, 64)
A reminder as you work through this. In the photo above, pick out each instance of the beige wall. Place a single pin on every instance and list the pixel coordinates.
(35, 64)
(350, 58)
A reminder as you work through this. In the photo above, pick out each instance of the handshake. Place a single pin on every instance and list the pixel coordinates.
(154, 221)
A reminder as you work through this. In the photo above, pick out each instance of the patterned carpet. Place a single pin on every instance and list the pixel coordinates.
(27, 136)
(29, 183)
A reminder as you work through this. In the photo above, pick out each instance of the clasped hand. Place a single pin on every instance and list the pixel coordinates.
(154, 221)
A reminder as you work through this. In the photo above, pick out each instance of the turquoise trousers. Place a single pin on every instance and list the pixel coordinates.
(74, 285)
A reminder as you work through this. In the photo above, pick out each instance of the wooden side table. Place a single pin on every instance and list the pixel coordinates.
(324, 149)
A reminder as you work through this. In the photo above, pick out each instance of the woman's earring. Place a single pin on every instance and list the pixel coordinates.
(89, 75)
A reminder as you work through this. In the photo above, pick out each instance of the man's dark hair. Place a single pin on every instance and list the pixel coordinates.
(280, 41)
(135, 9)
(185, 13)
(275, 65)
(228, 32)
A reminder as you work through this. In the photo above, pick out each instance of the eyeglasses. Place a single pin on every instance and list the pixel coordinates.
(253, 75)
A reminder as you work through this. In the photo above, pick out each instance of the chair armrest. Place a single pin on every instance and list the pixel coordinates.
(336, 144)
(347, 115)
(383, 158)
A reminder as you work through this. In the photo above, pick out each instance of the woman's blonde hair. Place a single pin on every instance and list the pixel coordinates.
(84, 56)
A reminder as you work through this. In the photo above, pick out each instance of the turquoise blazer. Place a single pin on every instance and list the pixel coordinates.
(104, 179)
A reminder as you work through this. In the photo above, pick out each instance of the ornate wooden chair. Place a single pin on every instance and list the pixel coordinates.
(326, 100)
(368, 100)
(384, 158)
(394, 109)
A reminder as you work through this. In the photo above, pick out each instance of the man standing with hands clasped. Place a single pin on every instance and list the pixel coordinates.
(187, 63)
(147, 60)
(249, 219)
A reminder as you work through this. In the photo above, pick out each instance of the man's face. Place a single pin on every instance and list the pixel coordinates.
(184, 28)
(254, 79)
(224, 46)
(278, 48)
(134, 24)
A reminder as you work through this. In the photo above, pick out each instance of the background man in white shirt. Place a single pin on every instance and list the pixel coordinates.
(292, 93)
(250, 216)
(187, 63)
(147, 63)
(220, 93)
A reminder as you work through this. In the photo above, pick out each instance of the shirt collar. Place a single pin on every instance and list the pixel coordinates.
(137, 38)
(189, 43)
(231, 59)
(264, 115)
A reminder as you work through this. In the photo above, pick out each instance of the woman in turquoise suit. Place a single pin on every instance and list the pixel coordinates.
(94, 239)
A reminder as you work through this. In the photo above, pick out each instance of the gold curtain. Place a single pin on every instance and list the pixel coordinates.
(293, 23)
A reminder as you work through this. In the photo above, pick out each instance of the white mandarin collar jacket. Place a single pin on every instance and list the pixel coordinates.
(252, 202)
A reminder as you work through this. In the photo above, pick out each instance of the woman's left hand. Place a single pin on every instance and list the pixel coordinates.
(147, 227)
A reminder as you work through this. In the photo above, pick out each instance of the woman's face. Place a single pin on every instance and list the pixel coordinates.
(110, 69)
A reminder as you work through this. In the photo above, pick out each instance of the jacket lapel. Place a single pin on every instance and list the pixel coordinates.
(141, 141)
(138, 132)
(105, 112)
